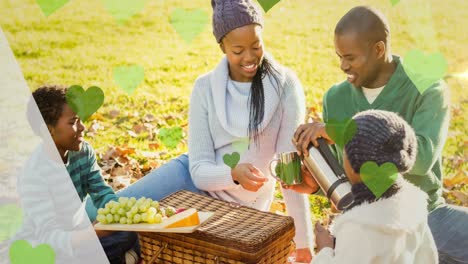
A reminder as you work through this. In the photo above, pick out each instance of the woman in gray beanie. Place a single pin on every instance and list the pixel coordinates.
(387, 224)
(247, 98)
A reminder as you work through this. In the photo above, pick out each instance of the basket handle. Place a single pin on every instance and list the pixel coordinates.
(155, 257)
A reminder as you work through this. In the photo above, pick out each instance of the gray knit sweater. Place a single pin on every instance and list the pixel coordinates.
(219, 117)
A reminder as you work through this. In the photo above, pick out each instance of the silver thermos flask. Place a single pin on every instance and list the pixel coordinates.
(329, 175)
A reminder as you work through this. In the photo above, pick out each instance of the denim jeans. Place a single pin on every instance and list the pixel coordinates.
(449, 226)
(170, 177)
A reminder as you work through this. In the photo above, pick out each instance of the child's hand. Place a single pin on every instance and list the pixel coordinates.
(248, 176)
(323, 238)
(302, 255)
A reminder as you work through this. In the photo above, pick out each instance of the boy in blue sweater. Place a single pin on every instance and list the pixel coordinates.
(53, 214)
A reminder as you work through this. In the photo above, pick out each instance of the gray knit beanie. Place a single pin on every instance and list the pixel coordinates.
(231, 14)
(382, 136)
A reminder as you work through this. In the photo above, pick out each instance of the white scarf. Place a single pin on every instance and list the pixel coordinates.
(219, 82)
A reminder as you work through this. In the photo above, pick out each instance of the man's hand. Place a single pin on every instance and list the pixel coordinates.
(307, 133)
(308, 185)
(323, 238)
(248, 176)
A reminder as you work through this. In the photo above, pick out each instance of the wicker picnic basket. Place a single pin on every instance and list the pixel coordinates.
(234, 234)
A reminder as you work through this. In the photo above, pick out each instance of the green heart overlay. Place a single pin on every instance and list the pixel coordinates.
(129, 77)
(84, 104)
(170, 137)
(122, 10)
(231, 159)
(21, 252)
(341, 131)
(378, 179)
(50, 6)
(289, 173)
(189, 23)
(267, 4)
(424, 70)
(241, 145)
(11, 218)
(394, 2)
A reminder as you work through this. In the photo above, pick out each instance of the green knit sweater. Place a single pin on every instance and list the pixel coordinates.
(427, 113)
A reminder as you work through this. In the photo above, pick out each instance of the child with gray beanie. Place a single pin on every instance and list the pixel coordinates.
(390, 228)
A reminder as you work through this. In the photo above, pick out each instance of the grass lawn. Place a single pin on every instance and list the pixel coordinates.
(81, 44)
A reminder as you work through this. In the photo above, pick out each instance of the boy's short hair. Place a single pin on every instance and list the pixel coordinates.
(49, 100)
(381, 137)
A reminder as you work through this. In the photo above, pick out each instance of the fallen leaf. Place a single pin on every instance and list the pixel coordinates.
(277, 205)
(461, 177)
(90, 134)
(122, 160)
(106, 176)
(463, 197)
(114, 113)
(107, 164)
(148, 126)
(150, 154)
(133, 114)
(152, 164)
(96, 116)
(94, 127)
(148, 118)
(313, 114)
(121, 180)
(119, 171)
(169, 117)
(138, 128)
(153, 146)
(131, 133)
(123, 151)
(110, 153)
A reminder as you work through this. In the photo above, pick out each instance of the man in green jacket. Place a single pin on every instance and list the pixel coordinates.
(376, 79)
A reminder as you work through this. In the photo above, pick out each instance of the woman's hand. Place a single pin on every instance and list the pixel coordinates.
(248, 176)
(308, 185)
(323, 238)
(307, 133)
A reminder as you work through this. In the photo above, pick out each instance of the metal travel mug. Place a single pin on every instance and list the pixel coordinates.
(286, 168)
(329, 175)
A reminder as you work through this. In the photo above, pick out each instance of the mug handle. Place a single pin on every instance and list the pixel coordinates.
(271, 170)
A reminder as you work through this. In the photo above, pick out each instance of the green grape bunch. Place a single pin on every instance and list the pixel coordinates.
(129, 210)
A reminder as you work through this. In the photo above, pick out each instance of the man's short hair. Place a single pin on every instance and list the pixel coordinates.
(366, 21)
